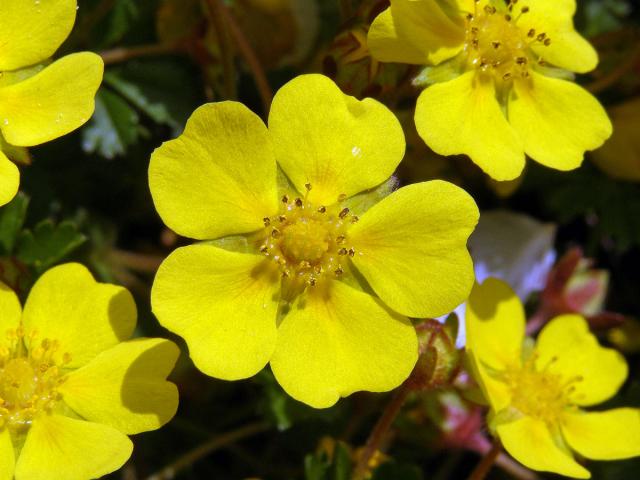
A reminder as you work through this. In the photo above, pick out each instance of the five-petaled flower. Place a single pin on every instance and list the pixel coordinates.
(501, 82)
(301, 276)
(39, 103)
(71, 387)
(536, 392)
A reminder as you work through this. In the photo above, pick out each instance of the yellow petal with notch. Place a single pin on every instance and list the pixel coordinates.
(557, 120)
(51, 103)
(86, 317)
(338, 340)
(31, 31)
(224, 304)
(462, 116)
(411, 248)
(69, 449)
(125, 387)
(336, 143)
(219, 177)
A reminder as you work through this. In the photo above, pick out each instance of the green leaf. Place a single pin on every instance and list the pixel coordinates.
(137, 97)
(316, 467)
(12, 218)
(320, 466)
(121, 18)
(113, 128)
(48, 243)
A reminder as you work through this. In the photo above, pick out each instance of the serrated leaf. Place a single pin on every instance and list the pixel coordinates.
(48, 243)
(12, 218)
(113, 128)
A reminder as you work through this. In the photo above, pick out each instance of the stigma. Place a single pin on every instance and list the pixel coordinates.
(496, 45)
(309, 243)
(29, 378)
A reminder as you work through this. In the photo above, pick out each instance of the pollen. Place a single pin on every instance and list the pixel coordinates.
(541, 393)
(496, 45)
(308, 242)
(29, 378)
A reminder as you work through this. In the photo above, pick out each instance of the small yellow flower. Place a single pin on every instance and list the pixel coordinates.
(300, 280)
(39, 103)
(71, 387)
(502, 84)
(536, 393)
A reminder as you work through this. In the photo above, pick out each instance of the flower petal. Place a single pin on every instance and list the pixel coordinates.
(7, 456)
(386, 45)
(339, 340)
(9, 179)
(217, 178)
(417, 32)
(567, 49)
(463, 116)
(31, 31)
(224, 304)
(531, 443)
(10, 308)
(53, 102)
(70, 449)
(338, 144)
(567, 347)
(557, 120)
(125, 387)
(411, 248)
(495, 324)
(610, 435)
(86, 317)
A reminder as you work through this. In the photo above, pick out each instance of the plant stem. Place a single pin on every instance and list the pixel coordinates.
(170, 471)
(259, 76)
(486, 464)
(122, 54)
(228, 67)
(380, 431)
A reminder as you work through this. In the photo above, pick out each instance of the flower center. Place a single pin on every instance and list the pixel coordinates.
(28, 379)
(308, 242)
(496, 44)
(540, 393)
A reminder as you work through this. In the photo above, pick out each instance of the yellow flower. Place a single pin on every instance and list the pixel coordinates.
(71, 387)
(501, 82)
(287, 284)
(536, 393)
(37, 103)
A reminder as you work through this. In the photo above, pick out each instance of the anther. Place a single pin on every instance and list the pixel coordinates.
(531, 33)
(342, 251)
(355, 219)
(344, 212)
(474, 30)
(267, 221)
(338, 271)
(282, 218)
(352, 252)
(490, 9)
(275, 233)
(342, 197)
(541, 36)
(285, 199)
(264, 249)
(524, 9)
(541, 62)
(475, 43)
(547, 42)
(307, 186)
(298, 202)
(340, 239)
(506, 76)
(469, 16)
(495, 44)
(312, 281)
(521, 60)
(322, 209)
(507, 17)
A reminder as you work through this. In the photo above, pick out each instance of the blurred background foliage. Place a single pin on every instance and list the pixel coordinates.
(85, 197)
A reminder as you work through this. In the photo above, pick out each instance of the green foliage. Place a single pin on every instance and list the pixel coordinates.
(48, 243)
(322, 466)
(12, 217)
